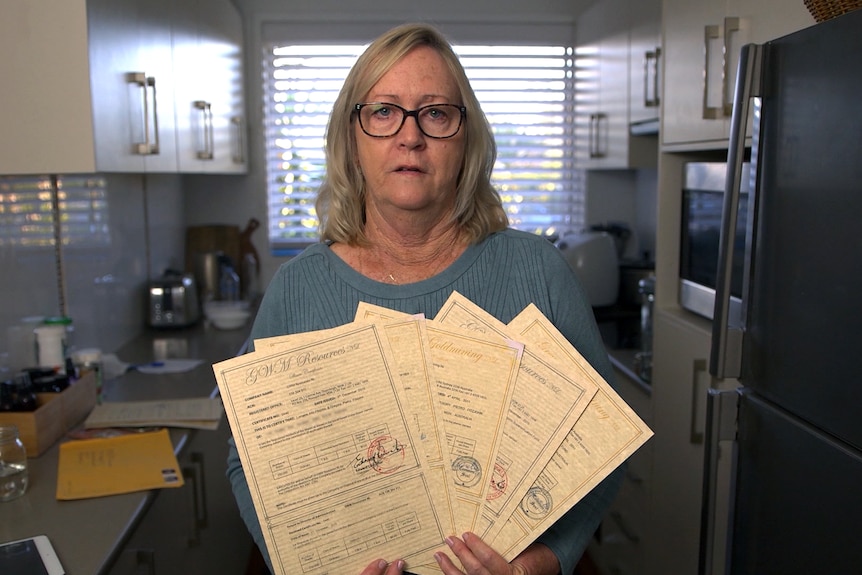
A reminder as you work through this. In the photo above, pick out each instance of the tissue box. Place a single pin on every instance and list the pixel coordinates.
(55, 415)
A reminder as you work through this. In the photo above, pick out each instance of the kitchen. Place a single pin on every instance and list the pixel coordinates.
(148, 215)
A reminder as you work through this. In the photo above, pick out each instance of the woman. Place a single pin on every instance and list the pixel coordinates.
(408, 215)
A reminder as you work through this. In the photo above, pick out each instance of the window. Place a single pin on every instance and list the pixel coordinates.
(526, 91)
(27, 211)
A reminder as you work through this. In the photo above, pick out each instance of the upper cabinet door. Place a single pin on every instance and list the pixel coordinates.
(209, 103)
(90, 85)
(702, 40)
(132, 85)
(603, 107)
(645, 61)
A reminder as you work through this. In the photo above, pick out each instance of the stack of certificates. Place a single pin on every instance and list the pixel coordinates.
(381, 437)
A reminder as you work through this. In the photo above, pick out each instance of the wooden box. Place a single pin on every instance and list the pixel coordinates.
(55, 415)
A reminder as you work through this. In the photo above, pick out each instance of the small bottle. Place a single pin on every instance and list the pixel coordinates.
(90, 360)
(13, 464)
(250, 278)
(51, 347)
(229, 284)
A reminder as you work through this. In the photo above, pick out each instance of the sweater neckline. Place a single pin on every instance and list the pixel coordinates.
(443, 278)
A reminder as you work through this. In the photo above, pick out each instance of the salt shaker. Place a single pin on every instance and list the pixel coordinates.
(13, 464)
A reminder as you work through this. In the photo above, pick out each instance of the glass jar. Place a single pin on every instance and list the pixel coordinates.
(13, 464)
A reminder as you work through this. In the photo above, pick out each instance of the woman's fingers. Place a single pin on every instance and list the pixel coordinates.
(383, 567)
(476, 556)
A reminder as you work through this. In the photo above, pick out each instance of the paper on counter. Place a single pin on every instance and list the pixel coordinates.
(193, 413)
(165, 366)
(122, 464)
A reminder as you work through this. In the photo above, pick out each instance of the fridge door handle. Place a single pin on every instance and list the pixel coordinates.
(725, 357)
(721, 411)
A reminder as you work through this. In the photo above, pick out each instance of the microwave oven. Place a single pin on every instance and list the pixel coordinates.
(700, 234)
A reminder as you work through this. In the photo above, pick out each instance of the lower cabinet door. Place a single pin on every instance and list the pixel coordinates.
(195, 529)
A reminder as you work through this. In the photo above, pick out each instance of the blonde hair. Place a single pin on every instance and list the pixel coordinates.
(340, 201)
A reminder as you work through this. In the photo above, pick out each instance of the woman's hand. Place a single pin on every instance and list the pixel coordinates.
(478, 558)
(382, 567)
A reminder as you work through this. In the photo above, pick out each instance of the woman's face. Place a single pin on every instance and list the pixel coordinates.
(409, 170)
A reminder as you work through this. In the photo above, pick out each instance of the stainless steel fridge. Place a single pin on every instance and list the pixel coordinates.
(795, 425)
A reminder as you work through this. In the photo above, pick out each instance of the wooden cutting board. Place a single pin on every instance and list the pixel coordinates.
(212, 238)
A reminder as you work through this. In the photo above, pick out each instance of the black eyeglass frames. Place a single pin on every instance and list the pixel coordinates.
(383, 119)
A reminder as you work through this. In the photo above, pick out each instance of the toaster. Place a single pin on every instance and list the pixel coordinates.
(173, 301)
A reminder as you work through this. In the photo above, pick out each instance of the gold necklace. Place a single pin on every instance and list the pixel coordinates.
(389, 277)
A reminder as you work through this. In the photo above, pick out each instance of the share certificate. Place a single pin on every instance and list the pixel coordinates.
(335, 472)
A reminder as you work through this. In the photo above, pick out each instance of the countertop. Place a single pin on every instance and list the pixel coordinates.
(89, 533)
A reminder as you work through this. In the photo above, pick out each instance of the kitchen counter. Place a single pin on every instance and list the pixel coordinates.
(623, 361)
(88, 534)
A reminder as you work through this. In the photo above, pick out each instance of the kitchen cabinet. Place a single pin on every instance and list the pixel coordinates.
(195, 529)
(90, 85)
(603, 92)
(702, 40)
(209, 87)
(680, 380)
(645, 61)
(618, 546)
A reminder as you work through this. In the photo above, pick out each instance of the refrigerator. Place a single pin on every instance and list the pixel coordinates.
(794, 427)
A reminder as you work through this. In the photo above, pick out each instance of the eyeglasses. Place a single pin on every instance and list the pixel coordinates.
(382, 120)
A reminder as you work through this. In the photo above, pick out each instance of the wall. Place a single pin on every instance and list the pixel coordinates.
(104, 287)
(629, 197)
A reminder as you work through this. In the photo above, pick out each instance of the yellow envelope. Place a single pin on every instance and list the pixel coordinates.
(112, 465)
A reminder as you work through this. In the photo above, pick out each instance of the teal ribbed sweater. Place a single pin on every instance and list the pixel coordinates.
(503, 274)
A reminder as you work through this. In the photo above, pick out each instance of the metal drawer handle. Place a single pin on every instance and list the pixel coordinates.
(651, 72)
(710, 32)
(146, 84)
(239, 151)
(595, 135)
(206, 113)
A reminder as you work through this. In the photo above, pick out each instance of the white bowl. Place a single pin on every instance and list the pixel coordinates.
(227, 314)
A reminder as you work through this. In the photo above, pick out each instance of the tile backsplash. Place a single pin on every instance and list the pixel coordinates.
(99, 284)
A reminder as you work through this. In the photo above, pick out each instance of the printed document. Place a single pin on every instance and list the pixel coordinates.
(607, 433)
(334, 469)
(545, 405)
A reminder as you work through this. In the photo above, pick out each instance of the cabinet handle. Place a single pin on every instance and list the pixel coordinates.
(206, 115)
(651, 76)
(710, 32)
(194, 475)
(698, 393)
(201, 514)
(595, 134)
(239, 151)
(146, 84)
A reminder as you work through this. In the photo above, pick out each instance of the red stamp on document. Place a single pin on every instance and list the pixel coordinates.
(499, 483)
(386, 454)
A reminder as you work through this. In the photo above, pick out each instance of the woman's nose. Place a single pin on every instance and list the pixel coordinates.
(410, 134)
